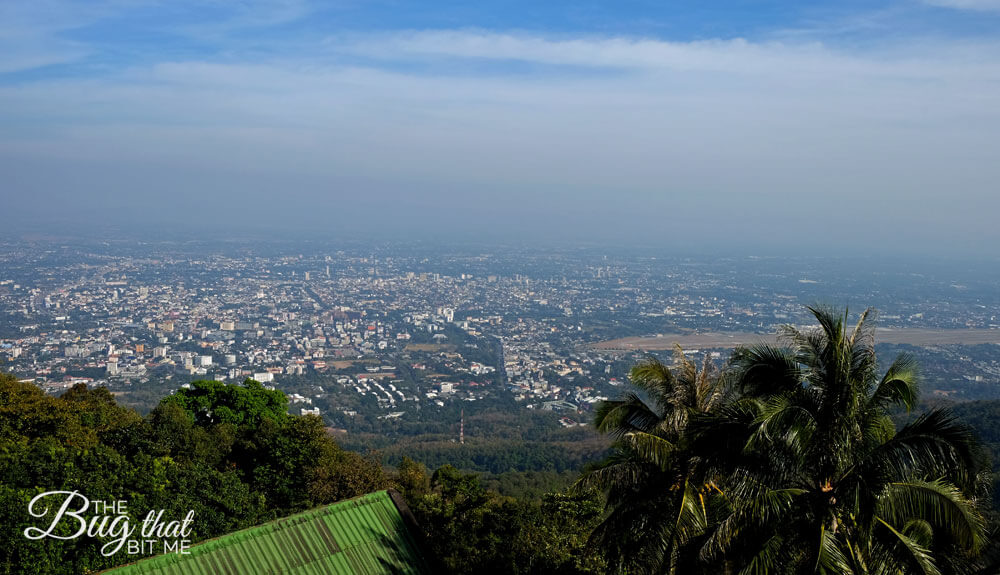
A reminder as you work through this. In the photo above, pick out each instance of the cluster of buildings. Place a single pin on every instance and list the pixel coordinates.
(387, 332)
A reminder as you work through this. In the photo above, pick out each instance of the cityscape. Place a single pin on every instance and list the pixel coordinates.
(359, 334)
(499, 288)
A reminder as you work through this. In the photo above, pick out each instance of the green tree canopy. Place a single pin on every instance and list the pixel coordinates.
(788, 463)
(818, 477)
(217, 402)
(659, 499)
(231, 454)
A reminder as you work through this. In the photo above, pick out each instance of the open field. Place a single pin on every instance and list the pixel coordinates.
(913, 336)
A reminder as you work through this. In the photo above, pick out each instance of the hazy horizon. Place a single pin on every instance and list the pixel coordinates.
(777, 127)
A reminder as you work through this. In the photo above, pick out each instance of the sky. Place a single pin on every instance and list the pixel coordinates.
(773, 126)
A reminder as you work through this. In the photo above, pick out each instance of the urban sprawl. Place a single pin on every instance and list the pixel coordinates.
(387, 332)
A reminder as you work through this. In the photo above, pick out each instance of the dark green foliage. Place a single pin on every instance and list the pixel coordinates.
(529, 484)
(660, 500)
(473, 530)
(500, 436)
(501, 456)
(215, 402)
(789, 463)
(230, 453)
(819, 478)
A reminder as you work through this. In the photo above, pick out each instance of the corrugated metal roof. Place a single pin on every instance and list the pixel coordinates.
(365, 535)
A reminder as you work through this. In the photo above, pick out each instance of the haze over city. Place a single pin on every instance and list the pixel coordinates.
(504, 288)
(775, 127)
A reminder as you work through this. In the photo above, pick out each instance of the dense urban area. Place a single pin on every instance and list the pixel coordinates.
(364, 335)
(474, 380)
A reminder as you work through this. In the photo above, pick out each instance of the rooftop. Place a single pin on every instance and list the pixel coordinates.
(365, 535)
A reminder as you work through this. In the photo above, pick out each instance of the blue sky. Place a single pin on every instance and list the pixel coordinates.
(686, 124)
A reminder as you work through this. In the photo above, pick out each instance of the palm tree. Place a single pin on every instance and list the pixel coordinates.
(818, 478)
(659, 503)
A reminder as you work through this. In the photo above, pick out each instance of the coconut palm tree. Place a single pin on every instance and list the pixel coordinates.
(659, 503)
(817, 476)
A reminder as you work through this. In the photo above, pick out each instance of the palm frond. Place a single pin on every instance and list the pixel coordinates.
(934, 445)
(920, 531)
(899, 385)
(621, 416)
(916, 554)
(937, 502)
(720, 437)
(864, 330)
(650, 447)
(619, 468)
(831, 323)
(751, 513)
(692, 517)
(686, 368)
(830, 559)
(770, 558)
(656, 380)
(782, 420)
(764, 369)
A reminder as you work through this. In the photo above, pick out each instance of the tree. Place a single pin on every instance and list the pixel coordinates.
(230, 454)
(412, 478)
(217, 402)
(660, 500)
(472, 530)
(818, 477)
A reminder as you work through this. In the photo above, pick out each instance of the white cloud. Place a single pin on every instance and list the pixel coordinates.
(731, 128)
(626, 53)
(974, 5)
(30, 34)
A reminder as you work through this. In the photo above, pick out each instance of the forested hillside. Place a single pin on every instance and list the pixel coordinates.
(806, 459)
(230, 453)
(235, 457)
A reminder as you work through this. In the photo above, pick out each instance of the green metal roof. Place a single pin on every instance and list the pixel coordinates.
(365, 535)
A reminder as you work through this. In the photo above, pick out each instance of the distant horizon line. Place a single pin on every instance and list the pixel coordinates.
(356, 232)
